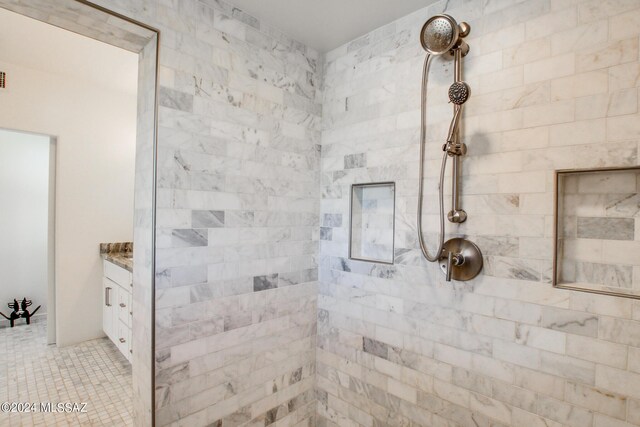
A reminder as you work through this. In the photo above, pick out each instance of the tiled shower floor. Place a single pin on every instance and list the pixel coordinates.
(93, 372)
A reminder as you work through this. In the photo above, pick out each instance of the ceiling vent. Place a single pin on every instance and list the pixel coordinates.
(3, 79)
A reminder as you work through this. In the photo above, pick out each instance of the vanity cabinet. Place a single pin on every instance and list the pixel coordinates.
(117, 285)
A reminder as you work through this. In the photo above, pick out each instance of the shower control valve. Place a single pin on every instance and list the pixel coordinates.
(461, 259)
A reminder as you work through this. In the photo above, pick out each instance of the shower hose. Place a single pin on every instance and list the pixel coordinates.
(423, 137)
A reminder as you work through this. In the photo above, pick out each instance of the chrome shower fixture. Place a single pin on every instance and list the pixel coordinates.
(460, 259)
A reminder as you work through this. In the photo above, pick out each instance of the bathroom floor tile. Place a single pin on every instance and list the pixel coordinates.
(93, 372)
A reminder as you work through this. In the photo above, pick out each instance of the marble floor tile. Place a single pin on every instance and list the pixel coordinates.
(93, 372)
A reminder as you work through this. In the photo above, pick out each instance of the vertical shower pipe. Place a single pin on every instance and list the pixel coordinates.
(456, 215)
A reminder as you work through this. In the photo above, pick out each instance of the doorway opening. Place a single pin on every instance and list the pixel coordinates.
(88, 20)
(27, 189)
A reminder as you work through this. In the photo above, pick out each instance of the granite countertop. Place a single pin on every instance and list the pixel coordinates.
(121, 254)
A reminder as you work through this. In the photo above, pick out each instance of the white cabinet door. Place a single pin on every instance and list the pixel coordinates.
(116, 307)
(109, 291)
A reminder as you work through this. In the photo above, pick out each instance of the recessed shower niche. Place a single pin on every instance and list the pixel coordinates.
(372, 222)
(597, 231)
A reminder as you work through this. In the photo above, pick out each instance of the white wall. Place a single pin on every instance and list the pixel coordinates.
(24, 199)
(95, 132)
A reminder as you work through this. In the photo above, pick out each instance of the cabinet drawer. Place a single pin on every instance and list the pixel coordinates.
(118, 274)
(123, 339)
(124, 306)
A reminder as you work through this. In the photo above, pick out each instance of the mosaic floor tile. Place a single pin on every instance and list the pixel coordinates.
(93, 372)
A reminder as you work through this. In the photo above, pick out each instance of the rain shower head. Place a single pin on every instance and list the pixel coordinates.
(441, 33)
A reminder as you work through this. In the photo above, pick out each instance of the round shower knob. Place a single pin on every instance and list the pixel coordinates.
(467, 256)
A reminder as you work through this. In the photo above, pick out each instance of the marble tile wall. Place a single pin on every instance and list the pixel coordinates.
(237, 223)
(143, 234)
(553, 86)
(237, 220)
(599, 247)
(241, 122)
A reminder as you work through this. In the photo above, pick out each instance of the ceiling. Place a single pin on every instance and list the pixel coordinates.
(33, 44)
(327, 24)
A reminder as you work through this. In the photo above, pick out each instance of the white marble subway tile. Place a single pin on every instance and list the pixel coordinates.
(551, 159)
(492, 408)
(172, 297)
(556, 112)
(514, 268)
(526, 182)
(601, 401)
(583, 249)
(618, 381)
(503, 79)
(531, 94)
(551, 23)
(541, 338)
(549, 68)
(622, 102)
(624, 25)
(600, 420)
(568, 367)
(521, 417)
(535, 247)
(607, 54)
(627, 251)
(504, 37)
(599, 304)
(619, 330)
(516, 354)
(592, 107)
(634, 359)
(540, 382)
(579, 132)
(573, 322)
(564, 413)
(623, 128)
(579, 85)
(592, 10)
(624, 76)
(606, 353)
(527, 52)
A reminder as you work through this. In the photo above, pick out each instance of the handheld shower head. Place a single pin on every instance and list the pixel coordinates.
(459, 93)
(441, 33)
